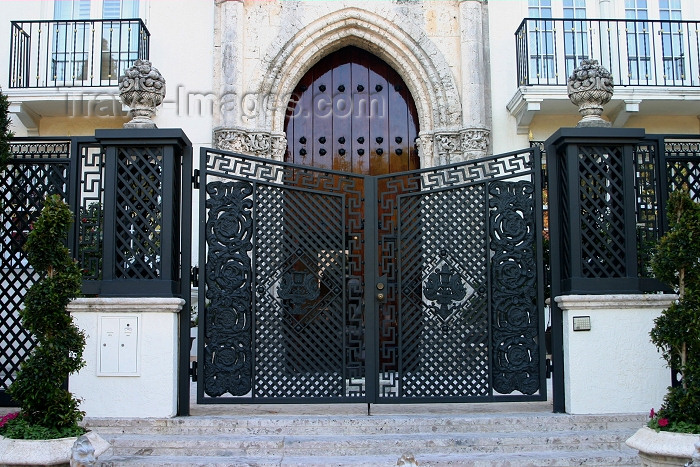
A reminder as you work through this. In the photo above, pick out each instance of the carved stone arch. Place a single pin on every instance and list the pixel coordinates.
(407, 49)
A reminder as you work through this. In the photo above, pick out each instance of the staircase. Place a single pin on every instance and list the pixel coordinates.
(482, 439)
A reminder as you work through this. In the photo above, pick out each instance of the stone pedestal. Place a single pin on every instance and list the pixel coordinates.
(140, 388)
(613, 367)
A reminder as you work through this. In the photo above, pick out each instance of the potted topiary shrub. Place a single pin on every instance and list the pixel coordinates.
(671, 434)
(48, 410)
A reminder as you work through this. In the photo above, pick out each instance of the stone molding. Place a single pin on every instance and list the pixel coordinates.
(126, 305)
(254, 143)
(612, 302)
(406, 48)
(435, 149)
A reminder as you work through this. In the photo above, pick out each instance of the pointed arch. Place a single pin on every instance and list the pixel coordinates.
(407, 49)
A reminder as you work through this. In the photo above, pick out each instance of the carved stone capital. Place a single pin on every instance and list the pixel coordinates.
(142, 88)
(448, 147)
(254, 143)
(475, 142)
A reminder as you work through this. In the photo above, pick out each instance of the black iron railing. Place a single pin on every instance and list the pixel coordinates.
(636, 52)
(80, 53)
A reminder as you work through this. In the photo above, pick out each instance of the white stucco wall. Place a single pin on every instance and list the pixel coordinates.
(153, 391)
(614, 367)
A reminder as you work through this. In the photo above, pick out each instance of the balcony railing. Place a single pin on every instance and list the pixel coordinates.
(81, 53)
(636, 52)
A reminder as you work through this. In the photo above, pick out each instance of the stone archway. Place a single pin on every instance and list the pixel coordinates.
(406, 48)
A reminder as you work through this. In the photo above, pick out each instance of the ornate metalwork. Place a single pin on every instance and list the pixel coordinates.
(446, 319)
(227, 350)
(295, 259)
(445, 287)
(516, 363)
(298, 288)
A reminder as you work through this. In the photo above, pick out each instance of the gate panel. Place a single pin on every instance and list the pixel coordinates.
(298, 259)
(462, 315)
(283, 310)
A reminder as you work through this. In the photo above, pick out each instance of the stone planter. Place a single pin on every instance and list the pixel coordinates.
(142, 88)
(590, 87)
(16, 452)
(663, 448)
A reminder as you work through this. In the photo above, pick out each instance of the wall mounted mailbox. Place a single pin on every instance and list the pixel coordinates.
(118, 346)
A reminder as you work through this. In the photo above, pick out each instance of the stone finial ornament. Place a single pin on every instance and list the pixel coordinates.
(590, 87)
(142, 88)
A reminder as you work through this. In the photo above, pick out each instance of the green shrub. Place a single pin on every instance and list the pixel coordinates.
(5, 133)
(39, 388)
(676, 332)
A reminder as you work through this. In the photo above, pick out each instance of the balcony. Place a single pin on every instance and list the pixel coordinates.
(58, 66)
(655, 65)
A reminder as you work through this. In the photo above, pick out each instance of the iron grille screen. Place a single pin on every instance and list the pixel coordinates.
(602, 212)
(139, 213)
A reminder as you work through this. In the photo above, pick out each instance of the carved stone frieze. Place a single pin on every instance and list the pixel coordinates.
(255, 143)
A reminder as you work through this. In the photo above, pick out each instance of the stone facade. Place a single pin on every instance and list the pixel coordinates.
(262, 49)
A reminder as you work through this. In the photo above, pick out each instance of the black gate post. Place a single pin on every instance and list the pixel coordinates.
(147, 223)
(592, 221)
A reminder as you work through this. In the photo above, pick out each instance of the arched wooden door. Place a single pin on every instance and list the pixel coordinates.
(352, 112)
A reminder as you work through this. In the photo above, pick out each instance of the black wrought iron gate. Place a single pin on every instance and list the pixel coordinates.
(322, 286)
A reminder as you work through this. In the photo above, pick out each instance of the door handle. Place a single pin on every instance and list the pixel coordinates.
(380, 297)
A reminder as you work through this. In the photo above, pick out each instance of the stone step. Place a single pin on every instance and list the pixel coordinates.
(531, 459)
(384, 424)
(342, 445)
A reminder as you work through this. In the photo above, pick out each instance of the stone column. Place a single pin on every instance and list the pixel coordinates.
(131, 356)
(475, 135)
(228, 62)
(612, 367)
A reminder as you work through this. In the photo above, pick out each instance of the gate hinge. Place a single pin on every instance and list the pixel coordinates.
(194, 276)
(193, 371)
(195, 179)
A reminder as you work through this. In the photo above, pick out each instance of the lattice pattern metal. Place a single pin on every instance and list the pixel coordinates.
(602, 213)
(683, 166)
(139, 213)
(457, 250)
(647, 203)
(37, 169)
(283, 316)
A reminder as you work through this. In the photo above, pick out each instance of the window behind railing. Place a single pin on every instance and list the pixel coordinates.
(75, 53)
(636, 50)
(575, 34)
